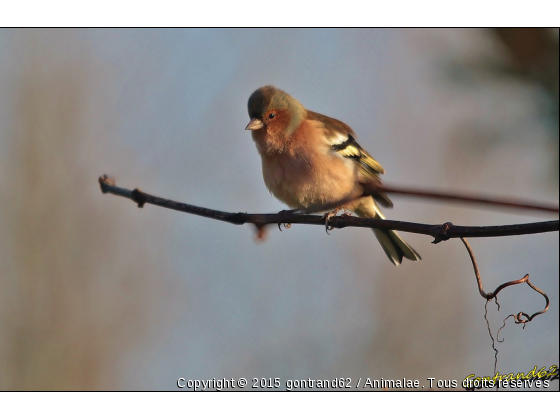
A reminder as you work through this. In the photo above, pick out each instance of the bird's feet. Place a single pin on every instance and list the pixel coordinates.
(286, 213)
(327, 216)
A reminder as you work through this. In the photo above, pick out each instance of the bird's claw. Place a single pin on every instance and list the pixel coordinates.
(286, 213)
(327, 216)
(286, 226)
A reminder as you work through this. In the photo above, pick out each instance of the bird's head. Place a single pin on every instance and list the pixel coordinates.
(274, 110)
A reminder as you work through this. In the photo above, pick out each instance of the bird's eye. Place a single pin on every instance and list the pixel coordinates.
(271, 116)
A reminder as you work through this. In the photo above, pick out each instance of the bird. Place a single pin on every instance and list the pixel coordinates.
(312, 162)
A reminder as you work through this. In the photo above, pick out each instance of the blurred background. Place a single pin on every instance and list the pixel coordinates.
(100, 295)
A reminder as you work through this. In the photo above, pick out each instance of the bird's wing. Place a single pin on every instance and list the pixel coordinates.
(341, 139)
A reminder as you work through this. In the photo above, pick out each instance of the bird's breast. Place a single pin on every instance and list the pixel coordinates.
(302, 180)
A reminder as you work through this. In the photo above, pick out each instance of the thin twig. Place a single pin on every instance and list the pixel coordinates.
(511, 203)
(491, 336)
(440, 233)
(494, 295)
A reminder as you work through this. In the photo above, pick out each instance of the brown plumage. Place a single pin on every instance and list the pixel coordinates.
(312, 161)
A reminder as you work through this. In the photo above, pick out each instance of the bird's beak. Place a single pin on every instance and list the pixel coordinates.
(254, 124)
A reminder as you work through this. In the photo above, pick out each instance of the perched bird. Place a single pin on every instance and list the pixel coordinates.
(311, 162)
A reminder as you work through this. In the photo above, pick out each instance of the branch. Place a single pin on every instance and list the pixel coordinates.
(489, 296)
(471, 199)
(440, 233)
(520, 318)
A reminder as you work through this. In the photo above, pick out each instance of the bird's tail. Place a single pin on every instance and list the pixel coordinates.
(394, 246)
